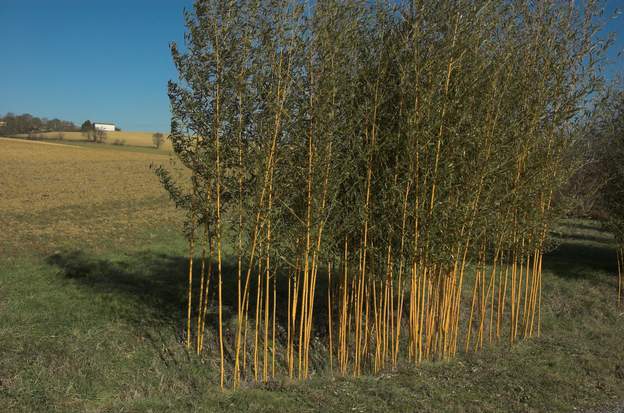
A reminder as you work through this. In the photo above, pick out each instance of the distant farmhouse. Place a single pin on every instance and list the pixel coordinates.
(106, 127)
(2, 124)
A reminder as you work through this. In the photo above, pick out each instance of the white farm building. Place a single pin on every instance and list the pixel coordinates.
(106, 127)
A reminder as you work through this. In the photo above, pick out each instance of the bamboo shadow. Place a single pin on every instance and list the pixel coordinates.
(158, 284)
(153, 288)
(574, 260)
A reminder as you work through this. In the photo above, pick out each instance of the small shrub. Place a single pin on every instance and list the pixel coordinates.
(158, 139)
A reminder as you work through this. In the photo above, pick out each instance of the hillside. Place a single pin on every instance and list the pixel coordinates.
(52, 193)
(141, 139)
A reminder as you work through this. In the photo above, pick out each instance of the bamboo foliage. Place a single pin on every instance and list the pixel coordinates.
(357, 164)
(607, 150)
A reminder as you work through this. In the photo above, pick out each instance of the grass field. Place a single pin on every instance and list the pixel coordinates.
(53, 195)
(92, 295)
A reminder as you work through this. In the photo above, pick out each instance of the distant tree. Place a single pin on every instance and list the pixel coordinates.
(99, 136)
(117, 129)
(90, 133)
(86, 126)
(158, 139)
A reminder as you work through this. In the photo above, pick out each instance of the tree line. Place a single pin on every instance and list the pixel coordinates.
(27, 123)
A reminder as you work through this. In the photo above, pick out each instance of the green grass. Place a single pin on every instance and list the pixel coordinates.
(101, 332)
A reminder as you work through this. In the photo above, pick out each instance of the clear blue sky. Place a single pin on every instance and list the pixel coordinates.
(615, 25)
(103, 60)
(107, 60)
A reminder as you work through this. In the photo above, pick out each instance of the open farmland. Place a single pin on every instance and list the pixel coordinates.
(141, 139)
(92, 298)
(51, 194)
(379, 207)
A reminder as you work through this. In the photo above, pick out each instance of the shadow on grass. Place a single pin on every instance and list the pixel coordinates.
(158, 283)
(150, 290)
(151, 279)
(581, 260)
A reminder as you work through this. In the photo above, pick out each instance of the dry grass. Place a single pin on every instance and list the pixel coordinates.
(50, 194)
(143, 139)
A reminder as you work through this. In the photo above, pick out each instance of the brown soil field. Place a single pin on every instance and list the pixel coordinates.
(143, 139)
(52, 195)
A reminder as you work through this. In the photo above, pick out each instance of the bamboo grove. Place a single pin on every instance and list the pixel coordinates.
(607, 139)
(375, 181)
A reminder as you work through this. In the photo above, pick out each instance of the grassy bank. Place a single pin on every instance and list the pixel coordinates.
(86, 331)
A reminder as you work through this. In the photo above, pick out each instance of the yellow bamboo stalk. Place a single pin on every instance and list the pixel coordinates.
(240, 299)
(310, 315)
(201, 290)
(412, 315)
(501, 292)
(448, 323)
(512, 301)
(430, 312)
(302, 317)
(351, 325)
(538, 265)
(493, 280)
(258, 315)
(386, 305)
(519, 298)
(358, 323)
(366, 320)
(532, 281)
(421, 320)
(399, 309)
(288, 313)
(267, 305)
(291, 366)
(244, 327)
(620, 254)
(490, 290)
(472, 306)
(458, 295)
(329, 319)
(376, 325)
(190, 293)
(539, 302)
(527, 288)
(343, 339)
(273, 330)
(205, 299)
(502, 305)
(391, 320)
(399, 319)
